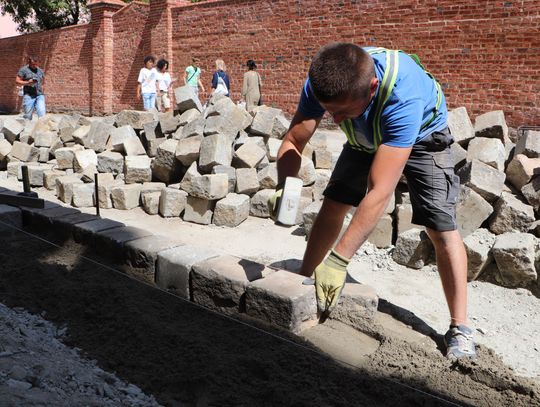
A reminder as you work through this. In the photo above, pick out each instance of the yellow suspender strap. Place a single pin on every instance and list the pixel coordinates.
(385, 90)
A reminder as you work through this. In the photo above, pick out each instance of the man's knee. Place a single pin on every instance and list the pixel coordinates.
(444, 239)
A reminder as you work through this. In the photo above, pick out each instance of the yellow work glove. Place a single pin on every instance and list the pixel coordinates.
(273, 201)
(329, 281)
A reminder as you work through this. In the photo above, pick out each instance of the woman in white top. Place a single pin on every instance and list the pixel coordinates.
(164, 80)
(147, 84)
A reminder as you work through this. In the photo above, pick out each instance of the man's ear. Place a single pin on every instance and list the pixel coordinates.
(373, 86)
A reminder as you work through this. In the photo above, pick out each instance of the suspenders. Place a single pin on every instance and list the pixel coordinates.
(385, 90)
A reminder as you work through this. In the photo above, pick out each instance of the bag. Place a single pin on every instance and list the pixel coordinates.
(193, 74)
(221, 88)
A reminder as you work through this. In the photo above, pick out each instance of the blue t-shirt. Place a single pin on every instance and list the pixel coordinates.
(410, 105)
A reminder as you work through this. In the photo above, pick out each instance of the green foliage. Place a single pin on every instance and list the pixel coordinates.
(38, 15)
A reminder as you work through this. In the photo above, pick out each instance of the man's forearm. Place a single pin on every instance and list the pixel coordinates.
(288, 161)
(365, 219)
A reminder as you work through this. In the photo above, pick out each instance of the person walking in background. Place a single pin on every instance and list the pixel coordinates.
(147, 86)
(220, 79)
(192, 76)
(163, 98)
(251, 87)
(32, 78)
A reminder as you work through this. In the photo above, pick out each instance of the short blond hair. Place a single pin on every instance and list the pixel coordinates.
(220, 65)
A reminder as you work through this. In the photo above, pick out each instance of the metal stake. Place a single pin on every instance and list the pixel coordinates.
(96, 185)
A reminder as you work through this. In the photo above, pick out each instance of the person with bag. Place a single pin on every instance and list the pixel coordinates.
(220, 79)
(251, 86)
(394, 115)
(192, 76)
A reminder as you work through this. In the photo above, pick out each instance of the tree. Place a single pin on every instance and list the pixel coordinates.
(37, 15)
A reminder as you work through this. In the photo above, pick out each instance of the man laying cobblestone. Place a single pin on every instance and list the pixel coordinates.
(395, 117)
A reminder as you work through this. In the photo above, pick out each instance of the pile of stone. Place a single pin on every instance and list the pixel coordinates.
(498, 203)
(207, 165)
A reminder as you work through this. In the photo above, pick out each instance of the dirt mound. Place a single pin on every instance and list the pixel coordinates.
(184, 355)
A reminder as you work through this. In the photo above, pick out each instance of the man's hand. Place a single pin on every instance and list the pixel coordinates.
(329, 281)
(273, 201)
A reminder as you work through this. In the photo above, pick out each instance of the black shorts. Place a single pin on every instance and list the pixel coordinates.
(433, 184)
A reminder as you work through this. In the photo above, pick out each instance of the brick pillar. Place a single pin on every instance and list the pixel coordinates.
(101, 80)
(159, 42)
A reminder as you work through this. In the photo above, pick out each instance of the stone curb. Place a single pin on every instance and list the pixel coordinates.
(223, 283)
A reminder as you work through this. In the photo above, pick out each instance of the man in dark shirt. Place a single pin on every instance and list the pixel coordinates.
(32, 78)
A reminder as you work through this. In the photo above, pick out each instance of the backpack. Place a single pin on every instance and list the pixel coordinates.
(221, 87)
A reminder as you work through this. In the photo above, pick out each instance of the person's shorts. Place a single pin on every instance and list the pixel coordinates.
(433, 185)
(163, 99)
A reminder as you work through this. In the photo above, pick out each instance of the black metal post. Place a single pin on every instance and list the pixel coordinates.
(26, 179)
(96, 194)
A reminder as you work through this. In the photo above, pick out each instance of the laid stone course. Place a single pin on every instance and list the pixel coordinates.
(84, 232)
(220, 282)
(281, 299)
(174, 266)
(111, 242)
(142, 254)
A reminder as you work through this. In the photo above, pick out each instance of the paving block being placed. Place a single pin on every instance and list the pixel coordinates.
(511, 215)
(281, 299)
(220, 283)
(515, 255)
(137, 169)
(483, 178)
(126, 196)
(478, 246)
(173, 268)
(64, 187)
(172, 202)
(413, 249)
(357, 305)
(199, 210)
(490, 151)
(471, 211)
(142, 255)
(231, 210)
(247, 182)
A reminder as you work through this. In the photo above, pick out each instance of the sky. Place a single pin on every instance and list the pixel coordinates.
(7, 27)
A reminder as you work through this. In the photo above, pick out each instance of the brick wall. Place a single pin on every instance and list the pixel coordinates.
(65, 55)
(484, 53)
